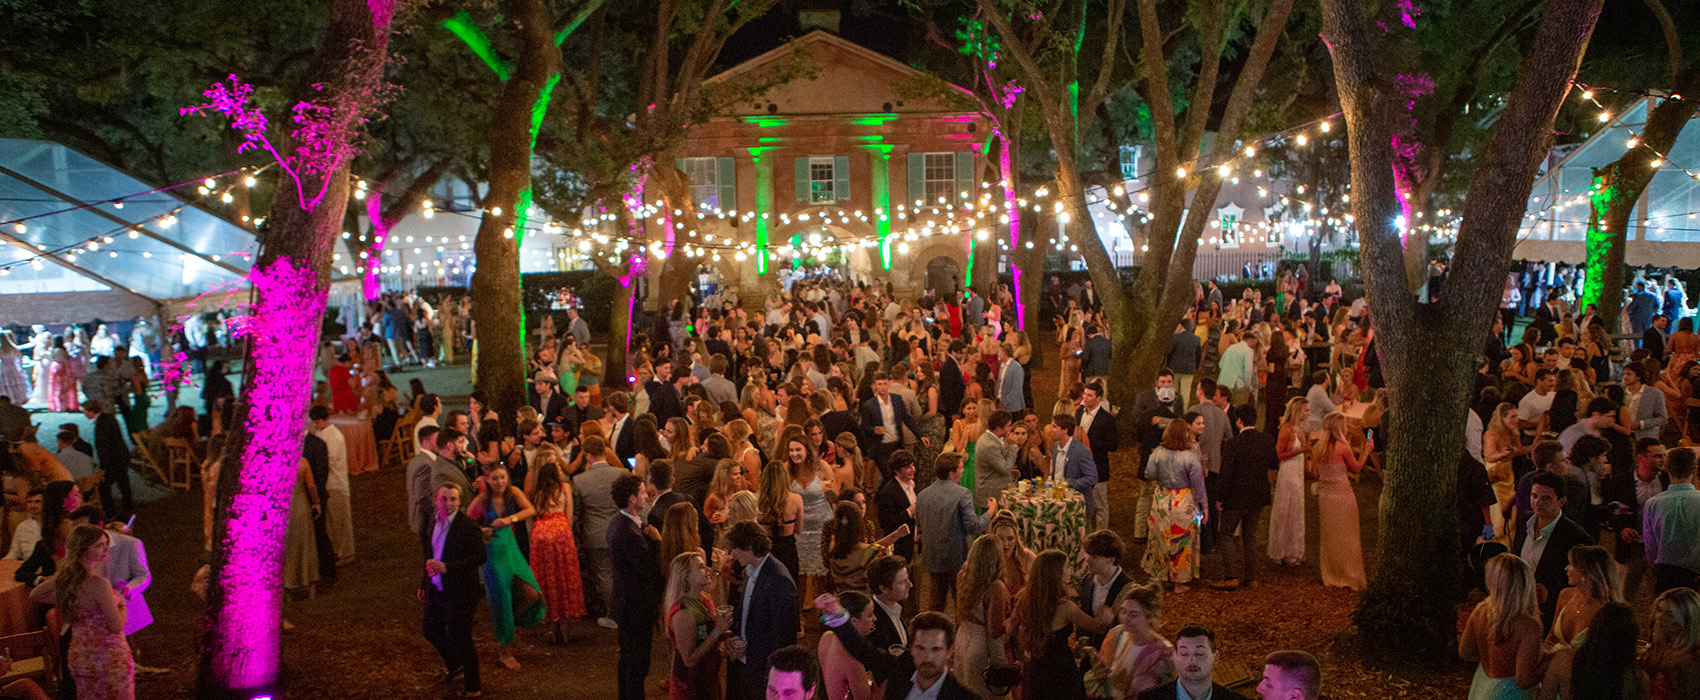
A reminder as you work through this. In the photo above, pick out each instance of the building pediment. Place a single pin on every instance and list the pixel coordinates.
(837, 76)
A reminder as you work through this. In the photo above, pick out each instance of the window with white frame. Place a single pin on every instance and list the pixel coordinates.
(704, 175)
(822, 175)
(939, 176)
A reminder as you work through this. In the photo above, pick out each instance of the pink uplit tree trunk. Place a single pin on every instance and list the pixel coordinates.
(240, 642)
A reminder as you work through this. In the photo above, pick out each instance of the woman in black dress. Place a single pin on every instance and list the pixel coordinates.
(1044, 619)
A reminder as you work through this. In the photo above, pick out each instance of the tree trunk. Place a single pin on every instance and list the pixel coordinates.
(1427, 352)
(240, 643)
(1618, 187)
(496, 303)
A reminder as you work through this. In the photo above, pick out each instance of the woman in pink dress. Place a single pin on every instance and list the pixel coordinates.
(98, 656)
(1342, 551)
(61, 379)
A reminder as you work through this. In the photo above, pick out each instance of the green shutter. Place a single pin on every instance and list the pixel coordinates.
(917, 178)
(726, 176)
(841, 177)
(801, 175)
(964, 175)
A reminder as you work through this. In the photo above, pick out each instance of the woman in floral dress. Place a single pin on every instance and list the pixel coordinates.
(98, 655)
(1177, 504)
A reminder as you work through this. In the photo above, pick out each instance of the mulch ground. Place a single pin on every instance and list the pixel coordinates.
(359, 637)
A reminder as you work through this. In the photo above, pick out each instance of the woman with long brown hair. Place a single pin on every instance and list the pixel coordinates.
(982, 606)
(554, 553)
(781, 512)
(1178, 505)
(1044, 619)
(679, 531)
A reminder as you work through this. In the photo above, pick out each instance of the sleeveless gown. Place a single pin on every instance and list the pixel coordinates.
(1287, 517)
(554, 561)
(504, 567)
(99, 660)
(1055, 675)
(702, 681)
(816, 513)
(14, 384)
(1342, 550)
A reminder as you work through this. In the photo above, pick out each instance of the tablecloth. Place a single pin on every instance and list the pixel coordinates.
(15, 613)
(362, 443)
(1047, 522)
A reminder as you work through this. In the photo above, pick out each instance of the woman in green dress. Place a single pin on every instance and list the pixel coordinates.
(508, 582)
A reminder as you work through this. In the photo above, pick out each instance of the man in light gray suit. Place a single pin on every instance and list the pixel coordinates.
(945, 521)
(1009, 379)
(1646, 403)
(419, 477)
(443, 468)
(994, 459)
(593, 507)
(720, 389)
(1071, 460)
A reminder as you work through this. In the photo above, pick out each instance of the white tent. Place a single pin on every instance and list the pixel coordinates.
(1666, 224)
(152, 252)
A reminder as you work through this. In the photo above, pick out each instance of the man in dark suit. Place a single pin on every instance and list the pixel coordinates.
(451, 588)
(883, 421)
(925, 664)
(951, 387)
(318, 456)
(550, 404)
(1653, 340)
(888, 581)
(114, 459)
(1241, 494)
(766, 612)
(1095, 355)
(1105, 579)
(661, 479)
(1195, 662)
(715, 344)
(1546, 319)
(665, 396)
(632, 548)
(1544, 538)
(896, 502)
(621, 434)
(1097, 425)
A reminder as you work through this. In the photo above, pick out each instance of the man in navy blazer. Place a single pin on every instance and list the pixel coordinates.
(452, 586)
(1071, 461)
(883, 436)
(926, 662)
(636, 599)
(1097, 425)
(951, 387)
(766, 612)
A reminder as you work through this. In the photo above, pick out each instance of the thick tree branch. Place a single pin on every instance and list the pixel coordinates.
(1673, 41)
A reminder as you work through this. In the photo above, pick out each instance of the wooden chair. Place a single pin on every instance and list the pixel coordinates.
(35, 655)
(144, 455)
(391, 449)
(180, 460)
(402, 441)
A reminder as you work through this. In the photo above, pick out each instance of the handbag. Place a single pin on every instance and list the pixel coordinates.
(1000, 678)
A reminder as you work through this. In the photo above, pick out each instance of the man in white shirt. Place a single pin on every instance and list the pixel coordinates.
(29, 531)
(1537, 402)
(339, 516)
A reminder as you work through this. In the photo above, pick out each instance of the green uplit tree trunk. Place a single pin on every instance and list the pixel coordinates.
(1619, 185)
(1428, 351)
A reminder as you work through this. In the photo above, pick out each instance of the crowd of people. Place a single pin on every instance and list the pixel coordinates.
(841, 451)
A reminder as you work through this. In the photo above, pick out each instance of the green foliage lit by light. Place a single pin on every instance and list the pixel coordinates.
(463, 26)
(977, 41)
(1600, 240)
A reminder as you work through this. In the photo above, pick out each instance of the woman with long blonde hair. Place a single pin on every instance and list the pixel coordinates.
(1287, 514)
(781, 512)
(1044, 619)
(1593, 584)
(695, 634)
(850, 470)
(1334, 460)
(1017, 558)
(98, 656)
(982, 606)
(1673, 657)
(1502, 443)
(737, 434)
(1503, 633)
(728, 479)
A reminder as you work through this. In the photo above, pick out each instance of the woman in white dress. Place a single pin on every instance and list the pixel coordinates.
(14, 384)
(1287, 517)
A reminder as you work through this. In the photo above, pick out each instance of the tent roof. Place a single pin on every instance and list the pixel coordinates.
(1558, 204)
(197, 252)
